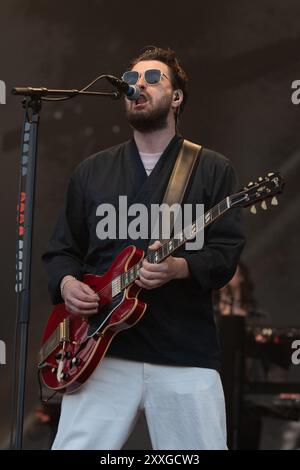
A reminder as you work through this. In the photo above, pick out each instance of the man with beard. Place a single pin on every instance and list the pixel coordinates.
(167, 364)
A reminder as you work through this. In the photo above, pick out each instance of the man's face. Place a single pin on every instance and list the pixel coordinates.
(154, 106)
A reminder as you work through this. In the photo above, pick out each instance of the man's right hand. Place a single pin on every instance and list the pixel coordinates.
(79, 298)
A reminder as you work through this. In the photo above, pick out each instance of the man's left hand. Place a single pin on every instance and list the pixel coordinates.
(155, 275)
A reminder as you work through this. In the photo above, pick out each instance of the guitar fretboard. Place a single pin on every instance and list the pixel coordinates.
(124, 280)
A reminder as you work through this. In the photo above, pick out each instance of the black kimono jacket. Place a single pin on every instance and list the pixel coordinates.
(178, 326)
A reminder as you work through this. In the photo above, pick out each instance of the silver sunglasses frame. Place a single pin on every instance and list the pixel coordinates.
(143, 73)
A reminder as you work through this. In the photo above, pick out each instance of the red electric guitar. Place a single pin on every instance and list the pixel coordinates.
(73, 346)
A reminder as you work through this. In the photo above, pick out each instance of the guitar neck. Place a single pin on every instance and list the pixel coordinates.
(167, 248)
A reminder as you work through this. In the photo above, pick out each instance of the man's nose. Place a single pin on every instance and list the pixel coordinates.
(141, 83)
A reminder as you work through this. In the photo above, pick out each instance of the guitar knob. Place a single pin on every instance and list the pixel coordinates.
(65, 376)
(76, 361)
(274, 201)
(253, 210)
(63, 355)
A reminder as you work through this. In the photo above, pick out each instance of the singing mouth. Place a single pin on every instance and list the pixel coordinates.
(141, 100)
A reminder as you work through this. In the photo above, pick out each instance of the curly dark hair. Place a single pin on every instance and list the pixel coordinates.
(179, 78)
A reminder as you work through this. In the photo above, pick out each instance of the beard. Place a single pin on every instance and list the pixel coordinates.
(150, 120)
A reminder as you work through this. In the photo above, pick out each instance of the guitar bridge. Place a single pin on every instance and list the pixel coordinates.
(64, 331)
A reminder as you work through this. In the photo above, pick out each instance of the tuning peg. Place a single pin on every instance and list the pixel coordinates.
(274, 201)
(264, 205)
(260, 178)
(270, 174)
(250, 184)
(253, 210)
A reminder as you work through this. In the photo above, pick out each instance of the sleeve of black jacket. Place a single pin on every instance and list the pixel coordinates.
(214, 265)
(69, 241)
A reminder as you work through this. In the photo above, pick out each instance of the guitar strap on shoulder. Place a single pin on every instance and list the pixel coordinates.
(188, 155)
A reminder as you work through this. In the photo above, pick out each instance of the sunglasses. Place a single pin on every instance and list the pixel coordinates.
(151, 76)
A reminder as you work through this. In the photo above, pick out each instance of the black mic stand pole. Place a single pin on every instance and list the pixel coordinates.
(32, 104)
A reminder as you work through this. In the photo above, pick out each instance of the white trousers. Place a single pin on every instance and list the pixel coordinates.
(184, 407)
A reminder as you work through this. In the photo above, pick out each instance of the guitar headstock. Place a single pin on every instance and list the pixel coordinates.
(262, 189)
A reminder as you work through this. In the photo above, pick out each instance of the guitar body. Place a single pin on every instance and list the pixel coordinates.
(73, 346)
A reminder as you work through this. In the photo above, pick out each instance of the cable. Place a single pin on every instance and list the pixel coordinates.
(82, 89)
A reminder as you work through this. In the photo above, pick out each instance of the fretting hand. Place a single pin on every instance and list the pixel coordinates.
(155, 275)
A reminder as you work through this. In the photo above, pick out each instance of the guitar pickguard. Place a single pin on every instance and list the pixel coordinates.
(98, 322)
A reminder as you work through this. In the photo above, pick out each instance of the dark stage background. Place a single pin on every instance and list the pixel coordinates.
(241, 58)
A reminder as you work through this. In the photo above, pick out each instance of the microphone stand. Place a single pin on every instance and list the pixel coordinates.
(43, 92)
(32, 104)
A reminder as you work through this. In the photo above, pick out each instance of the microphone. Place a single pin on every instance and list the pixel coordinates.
(132, 92)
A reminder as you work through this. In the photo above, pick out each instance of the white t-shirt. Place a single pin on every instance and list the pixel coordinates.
(149, 160)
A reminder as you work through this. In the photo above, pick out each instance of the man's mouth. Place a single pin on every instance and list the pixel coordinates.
(141, 100)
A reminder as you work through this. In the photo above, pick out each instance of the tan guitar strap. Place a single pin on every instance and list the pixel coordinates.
(188, 155)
